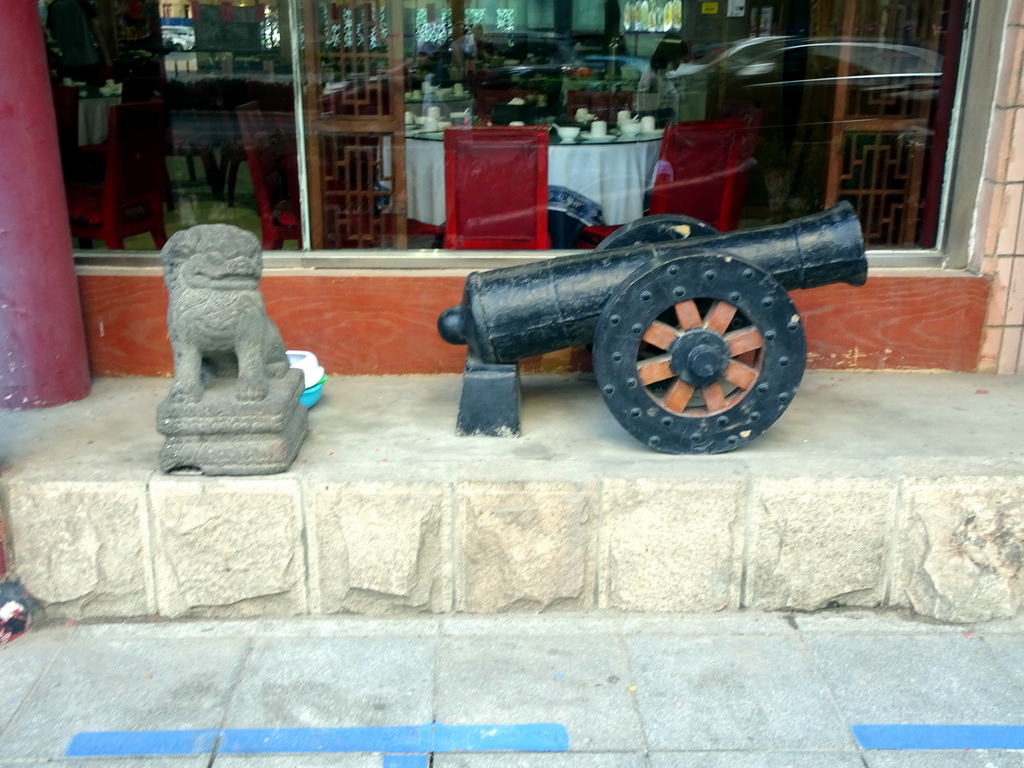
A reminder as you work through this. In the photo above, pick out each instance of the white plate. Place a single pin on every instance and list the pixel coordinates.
(598, 139)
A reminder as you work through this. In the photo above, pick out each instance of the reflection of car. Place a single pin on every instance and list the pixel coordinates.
(906, 71)
(179, 38)
(626, 67)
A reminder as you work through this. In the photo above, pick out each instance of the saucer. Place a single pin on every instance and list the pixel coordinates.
(656, 133)
(597, 139)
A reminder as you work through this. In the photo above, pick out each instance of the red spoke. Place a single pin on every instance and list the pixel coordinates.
(678, 396)
(743, 341)
(719, 316)
(739, 374)
(655, 369)
(688, 315)
(661, 335)
(714, 399)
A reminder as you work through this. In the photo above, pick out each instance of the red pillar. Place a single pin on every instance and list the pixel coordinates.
(42, 339)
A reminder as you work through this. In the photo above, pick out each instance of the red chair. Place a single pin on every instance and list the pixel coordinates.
(698, 174)
(269, 140)
(129, 200)
(496, 188)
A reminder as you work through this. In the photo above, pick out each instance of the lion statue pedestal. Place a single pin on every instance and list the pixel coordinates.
(233, 408)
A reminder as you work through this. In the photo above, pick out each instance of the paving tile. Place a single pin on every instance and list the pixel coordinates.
(296, 761)
(545, 760)
(755, 760)
(732, 693)
(22, 663)
(336, 683)
(201, 761)
(577, 681)
(947, 758)
(544, 624)
(873, 623)
(106, 685)
(738, 623)
(941, 679)
(1008, 651)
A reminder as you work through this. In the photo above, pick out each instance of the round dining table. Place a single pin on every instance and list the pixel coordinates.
(589, 182)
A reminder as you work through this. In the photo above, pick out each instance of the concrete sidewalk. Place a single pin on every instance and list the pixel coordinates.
(736, 690)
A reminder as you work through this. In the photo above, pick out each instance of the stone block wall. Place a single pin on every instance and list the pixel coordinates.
(948, 548)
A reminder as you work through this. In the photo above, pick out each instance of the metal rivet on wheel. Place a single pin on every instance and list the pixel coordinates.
(679, 290)
(666, 421)
(723, 420)
(673, 269)
(793, 326)
(614, 319)
(709, 275)
(732, 440)
(769, 335)
(637, 328)
(783, 360)
(616, 357)
(635, 413)
(762, 388)
(609, 389)
(767, 301)
(631, 383)
(784, 397)
(734, 296)
(655, 440)
(755, 415)
(646, 295)
(695, 437)
(748, 273)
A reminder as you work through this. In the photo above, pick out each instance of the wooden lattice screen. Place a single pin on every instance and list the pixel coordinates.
(879, 135)
(354, 119)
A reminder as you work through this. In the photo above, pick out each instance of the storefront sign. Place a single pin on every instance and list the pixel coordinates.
(709, 9)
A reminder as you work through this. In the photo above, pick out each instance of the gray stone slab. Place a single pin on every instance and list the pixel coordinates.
(514, 624)
(201, 761)
(228, 547)
(335, 760)
(579, 682)
(1008, 651)
(545, 760)
(379, 547)
(732, 693)
(672, 544)
(22, 664)
(916, 679)
(525, 545)
(725, 623)
(888, 622)
(107, 685)
(755, 760)
(336, 683)
(298, 626)
(948, 758)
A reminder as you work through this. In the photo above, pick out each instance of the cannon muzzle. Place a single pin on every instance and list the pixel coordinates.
(517, 312)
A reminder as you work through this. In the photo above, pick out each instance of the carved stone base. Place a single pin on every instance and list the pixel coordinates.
(221, 435)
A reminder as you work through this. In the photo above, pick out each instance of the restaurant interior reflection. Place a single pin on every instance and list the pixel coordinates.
(377, 126)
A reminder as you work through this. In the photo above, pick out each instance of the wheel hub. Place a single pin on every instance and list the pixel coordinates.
(699, 357)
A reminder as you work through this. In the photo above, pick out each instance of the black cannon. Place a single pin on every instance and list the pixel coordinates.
(697, 347)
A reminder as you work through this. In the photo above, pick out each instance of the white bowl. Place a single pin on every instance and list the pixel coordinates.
(567, 132)
(629, 129)
(306, 362)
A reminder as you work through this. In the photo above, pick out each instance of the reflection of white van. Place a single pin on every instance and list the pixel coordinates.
(179, 38)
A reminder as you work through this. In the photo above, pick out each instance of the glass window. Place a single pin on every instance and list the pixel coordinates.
(738, 113)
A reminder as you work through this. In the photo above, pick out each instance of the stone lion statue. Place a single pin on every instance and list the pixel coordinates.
(216, 318)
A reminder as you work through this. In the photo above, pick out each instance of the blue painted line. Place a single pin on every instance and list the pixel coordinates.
(406, 761)
(134, 743)
(939, 736)
(535, 737)
(423, 739)
(413, 738)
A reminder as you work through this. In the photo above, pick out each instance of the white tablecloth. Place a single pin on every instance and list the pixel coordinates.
(614, 176)
(92, 118)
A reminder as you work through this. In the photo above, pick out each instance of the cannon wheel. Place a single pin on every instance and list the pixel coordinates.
(656, 229)
(699, 354)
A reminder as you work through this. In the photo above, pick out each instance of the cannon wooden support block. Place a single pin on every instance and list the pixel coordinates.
(490, 399)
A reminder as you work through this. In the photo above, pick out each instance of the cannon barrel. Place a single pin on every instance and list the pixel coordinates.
(517, 312)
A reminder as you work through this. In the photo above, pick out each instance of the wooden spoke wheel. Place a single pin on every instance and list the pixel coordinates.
(699, 354)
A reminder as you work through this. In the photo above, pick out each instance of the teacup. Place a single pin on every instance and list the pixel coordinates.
(434, 112)
(599, 129)
(647, 124)
(459, 89)
(430, 123)
(623, 116)
(629, 128)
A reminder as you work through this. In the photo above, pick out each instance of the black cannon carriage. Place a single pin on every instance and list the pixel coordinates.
(697, 346)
